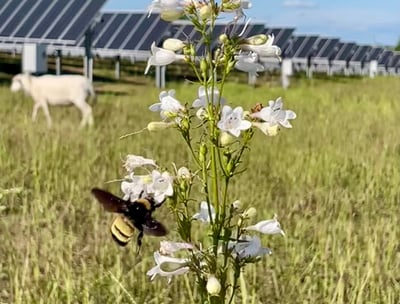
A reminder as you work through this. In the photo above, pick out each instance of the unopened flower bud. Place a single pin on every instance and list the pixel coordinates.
(255, 40)
(173, 44)
(205, 12)
(203, 65)
(202, 152)
(184, 173)
(159, 125)
(201, 113)
(192, 50)
(213, 285)
(171, 14)
(223, 38)
(226, 139)
(236, 205)
(249, 213)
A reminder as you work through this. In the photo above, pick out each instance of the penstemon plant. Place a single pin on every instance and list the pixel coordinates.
(217, 136)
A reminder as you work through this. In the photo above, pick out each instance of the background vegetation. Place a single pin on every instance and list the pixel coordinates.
(333, 180)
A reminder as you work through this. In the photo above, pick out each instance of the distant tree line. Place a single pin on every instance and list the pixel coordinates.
(397, 48)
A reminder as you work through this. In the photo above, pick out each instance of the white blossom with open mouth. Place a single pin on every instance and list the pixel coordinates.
(267, 227)
(236, 6)
(161, 185)
(134, 161)
(169, 248)
(167, 266)
(248, 63)
(169, 107)
(169, 10)
(133, 190)
(204, 214)
(274, 114)
(232, 121)
(159, 57)
(205, 98)
(249, 247)
(264, 50)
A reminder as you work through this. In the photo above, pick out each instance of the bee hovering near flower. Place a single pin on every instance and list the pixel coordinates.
(136, 214)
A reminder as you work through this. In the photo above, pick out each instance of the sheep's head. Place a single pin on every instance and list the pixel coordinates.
(17, 83)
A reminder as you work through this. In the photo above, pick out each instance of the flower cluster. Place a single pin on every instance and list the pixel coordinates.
(216, 238)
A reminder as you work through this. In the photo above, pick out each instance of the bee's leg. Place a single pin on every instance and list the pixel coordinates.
(139, 241)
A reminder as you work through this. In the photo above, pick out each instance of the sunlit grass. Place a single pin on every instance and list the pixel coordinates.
(333, 180)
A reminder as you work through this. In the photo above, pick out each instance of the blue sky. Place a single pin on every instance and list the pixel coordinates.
(363, 21)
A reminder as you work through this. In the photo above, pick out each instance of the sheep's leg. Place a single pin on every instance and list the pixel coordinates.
(46, 113)
(36, 107)
(87, 116)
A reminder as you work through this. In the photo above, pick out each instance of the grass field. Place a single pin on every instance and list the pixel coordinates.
(333, 180)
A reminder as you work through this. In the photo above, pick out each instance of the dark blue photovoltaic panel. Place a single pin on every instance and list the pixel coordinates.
(51, 21)
(107, 34)
(3, 4)
(385, 57)
(80, 25)
(5, 14)
(375, 53)
(124, 31)
(141, 31)
(37, 12)
(155, 34)
(16, 19)
(45, 23)
(297, 43)
(394, 60)
(307, 48)
(320, 46)
(329, 48)
(284, 37)
(346, 51)
(361, 53)
(65, 19)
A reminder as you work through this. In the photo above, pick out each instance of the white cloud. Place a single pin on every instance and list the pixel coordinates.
(298, 4)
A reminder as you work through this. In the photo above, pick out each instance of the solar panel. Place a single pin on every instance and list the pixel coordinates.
(327, 48)
(282, 35)
(375, 53)
(385, 57)
(46, 21)
(304, 46)
(346, 51)
(361, 53)
(394, 60)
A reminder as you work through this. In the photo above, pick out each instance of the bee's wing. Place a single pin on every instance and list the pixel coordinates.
(154, 228)
(109, 201)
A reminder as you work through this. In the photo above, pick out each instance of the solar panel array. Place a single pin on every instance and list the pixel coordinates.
(46, 21)
(60, 22)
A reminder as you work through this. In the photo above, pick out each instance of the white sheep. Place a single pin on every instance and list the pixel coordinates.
(56, 91)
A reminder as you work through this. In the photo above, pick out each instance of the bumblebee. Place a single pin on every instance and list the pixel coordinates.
(131, 215)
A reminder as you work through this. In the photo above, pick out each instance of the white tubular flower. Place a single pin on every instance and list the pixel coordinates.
(168, 248)
(226, 139)
(248, 63)
(232, 121)
(169, 10)
(173, 44)
(236, 6)
(267, 227)
(205, 97)
(168, 267)
(274, 114)
(204, 214)
(134, 161)
(161, 186)
(133, 190)
(169, 107)
(184, 173)
(249, 248)
(264, 50)
(159, 57)
(213, 285)
(155, 126)
(266, 128)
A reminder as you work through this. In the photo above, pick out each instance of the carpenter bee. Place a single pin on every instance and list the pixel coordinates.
(131, 215)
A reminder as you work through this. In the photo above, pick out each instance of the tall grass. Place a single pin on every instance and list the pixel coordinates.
(333, 180)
